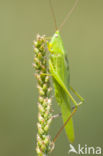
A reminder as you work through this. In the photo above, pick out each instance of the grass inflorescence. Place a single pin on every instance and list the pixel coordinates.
(44, 101)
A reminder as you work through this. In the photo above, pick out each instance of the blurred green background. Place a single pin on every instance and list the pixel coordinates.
(20, 21)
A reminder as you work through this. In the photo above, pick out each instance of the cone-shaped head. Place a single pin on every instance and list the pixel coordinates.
(55, 46)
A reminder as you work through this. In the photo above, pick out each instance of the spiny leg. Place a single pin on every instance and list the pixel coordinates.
(73, 100)
(66, 122)
(77, 94)
(61, 83)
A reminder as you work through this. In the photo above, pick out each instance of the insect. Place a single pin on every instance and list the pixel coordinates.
(59, 69)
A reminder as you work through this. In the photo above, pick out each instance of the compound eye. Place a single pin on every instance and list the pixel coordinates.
(50, 48)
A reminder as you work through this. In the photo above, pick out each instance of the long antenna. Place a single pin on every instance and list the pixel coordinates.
(68, 14)
(57, 135)
(53, 14)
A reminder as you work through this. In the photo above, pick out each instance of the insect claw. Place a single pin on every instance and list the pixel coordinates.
(57, 115)
(80, 103)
